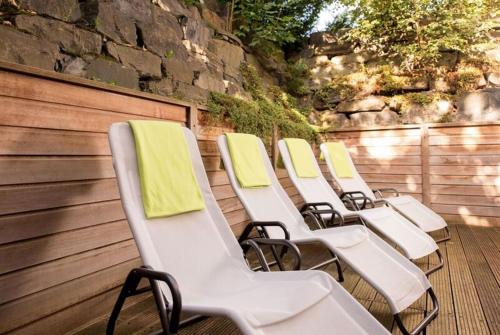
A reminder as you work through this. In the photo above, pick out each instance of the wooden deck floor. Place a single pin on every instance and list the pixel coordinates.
(467, 288)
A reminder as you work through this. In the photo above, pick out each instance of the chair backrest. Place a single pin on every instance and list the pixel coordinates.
(190, 246)
(356, 183)
(311, 189)
(269, 203)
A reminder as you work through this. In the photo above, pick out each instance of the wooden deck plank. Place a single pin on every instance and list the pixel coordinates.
(470, 317)
(484, 280)
(489, 249)
(445, 323)
(460, 295)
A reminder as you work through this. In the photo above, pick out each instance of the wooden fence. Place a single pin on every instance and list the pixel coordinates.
(453, 168)
(65, 245)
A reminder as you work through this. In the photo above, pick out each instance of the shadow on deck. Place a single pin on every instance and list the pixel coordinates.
(467, 287)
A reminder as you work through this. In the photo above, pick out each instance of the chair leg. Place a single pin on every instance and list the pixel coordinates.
(437, 267)
(127, 290)
(426, 320)
(447, 236)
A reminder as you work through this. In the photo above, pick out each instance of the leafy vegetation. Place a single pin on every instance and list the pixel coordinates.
(266, 25)
(263, 112)
(296, 76)
(415, 32)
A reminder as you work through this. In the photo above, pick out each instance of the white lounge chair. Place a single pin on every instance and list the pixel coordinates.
(199, 250)
(316, 192)
(395, 277)
(355, 187)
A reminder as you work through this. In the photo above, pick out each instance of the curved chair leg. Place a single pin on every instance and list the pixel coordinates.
(447, 237)
(129, 289)
(425, 322)
(438, 266)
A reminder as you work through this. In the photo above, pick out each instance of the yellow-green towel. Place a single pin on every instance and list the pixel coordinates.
(247, 160)
(168, 182)
(300, 154)
(340, 161)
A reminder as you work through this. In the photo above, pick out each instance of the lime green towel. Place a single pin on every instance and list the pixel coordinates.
(300, 154)
(338, 157)
(247, 160)
(168, 182)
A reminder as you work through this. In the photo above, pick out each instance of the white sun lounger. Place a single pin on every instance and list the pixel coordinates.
(199, 250)
(409, 238)
(394, 276)
(421, 215)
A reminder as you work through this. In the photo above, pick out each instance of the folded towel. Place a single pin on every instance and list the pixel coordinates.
(168, 182)
(302, 157)
(339, 159)
(247, 160)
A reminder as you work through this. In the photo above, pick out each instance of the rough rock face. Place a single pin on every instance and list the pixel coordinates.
(160, 32)
(367, 104)
(112, 73)
(70, 39)
(146, 64)
(482, 105)
(65, 10)
(352, 88)
(161, 46)
(18, 47)
(367, 119)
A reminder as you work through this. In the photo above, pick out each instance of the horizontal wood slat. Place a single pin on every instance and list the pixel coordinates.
(18, 227)
(15, 199)
(30, 170)
(36, 251)
(459, 165)
(38, 89)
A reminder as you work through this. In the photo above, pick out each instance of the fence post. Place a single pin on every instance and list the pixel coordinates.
(192, 112)
(424, 157)
(274, 147)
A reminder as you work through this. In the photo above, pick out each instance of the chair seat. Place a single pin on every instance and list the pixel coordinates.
(266, 300)
(418, 213)
(411, 239)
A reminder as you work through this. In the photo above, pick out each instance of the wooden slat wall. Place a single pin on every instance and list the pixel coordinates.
(227, 199)
(385, 158)
(65, 245)
(465, 173)
(454, 168)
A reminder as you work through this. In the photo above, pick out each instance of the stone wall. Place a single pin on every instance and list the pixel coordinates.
(351, 88)
(159, 46)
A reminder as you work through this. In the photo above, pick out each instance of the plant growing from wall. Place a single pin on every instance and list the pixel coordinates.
(262, 113)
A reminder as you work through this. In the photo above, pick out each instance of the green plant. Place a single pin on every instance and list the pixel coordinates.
(169, 54)
(267, 24)
(262, 113)
(296, 77)
(467, 78)
(419, 98)
(416, 31)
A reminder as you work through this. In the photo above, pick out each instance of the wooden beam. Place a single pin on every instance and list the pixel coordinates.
(424, 152)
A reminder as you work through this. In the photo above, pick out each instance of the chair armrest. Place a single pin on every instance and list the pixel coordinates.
(262, 224)
(380, 191)
(157, 276)
(255, 244)
(358, 195)
(314, 205)
(312, 208)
